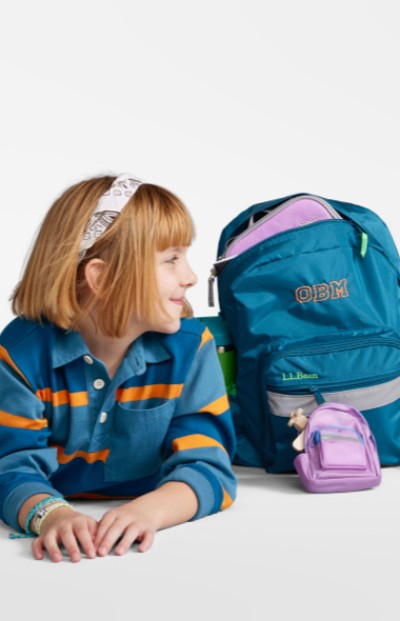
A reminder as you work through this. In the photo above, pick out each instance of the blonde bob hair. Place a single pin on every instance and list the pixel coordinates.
(53, 285)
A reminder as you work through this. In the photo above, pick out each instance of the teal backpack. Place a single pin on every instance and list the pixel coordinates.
(312, 309)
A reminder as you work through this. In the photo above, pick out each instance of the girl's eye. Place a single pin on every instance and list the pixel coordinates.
(172, 259)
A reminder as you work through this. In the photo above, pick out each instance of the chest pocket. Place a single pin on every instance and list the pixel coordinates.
(138, 437)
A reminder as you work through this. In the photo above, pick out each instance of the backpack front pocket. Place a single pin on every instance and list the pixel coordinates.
(361, 370)
(339, 448)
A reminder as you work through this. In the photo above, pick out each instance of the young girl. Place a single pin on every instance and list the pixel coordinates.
(106, 391)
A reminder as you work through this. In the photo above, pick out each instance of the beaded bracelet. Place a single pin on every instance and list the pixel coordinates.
(35, 508)
(40, 510)
(46, 511)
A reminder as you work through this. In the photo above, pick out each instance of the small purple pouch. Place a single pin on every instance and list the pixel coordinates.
(292, 214)
(339, 451)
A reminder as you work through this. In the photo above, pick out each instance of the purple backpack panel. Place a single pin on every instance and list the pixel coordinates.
(339, 451)
(291, 214)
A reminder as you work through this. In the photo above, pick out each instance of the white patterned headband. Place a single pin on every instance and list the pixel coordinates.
(111, 203)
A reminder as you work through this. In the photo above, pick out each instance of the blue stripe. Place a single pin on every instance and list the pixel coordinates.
(215, 484)
(16, 439)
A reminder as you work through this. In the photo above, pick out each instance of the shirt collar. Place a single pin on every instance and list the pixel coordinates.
(148, 348)
(68, 346)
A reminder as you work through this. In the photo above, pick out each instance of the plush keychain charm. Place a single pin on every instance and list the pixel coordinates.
(298, 420)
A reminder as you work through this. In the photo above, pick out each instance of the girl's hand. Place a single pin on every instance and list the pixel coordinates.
(71, 529)
(172, 503)
(128, 523)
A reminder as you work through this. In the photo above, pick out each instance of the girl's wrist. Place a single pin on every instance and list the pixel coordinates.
(47, 516)
(40, 512)
(149, 511)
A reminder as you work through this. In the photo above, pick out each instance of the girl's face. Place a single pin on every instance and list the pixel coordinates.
(174, 276)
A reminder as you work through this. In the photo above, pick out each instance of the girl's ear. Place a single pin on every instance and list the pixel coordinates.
(93, 271)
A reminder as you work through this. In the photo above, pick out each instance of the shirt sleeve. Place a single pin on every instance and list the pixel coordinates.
(26, 460)
(200, 444)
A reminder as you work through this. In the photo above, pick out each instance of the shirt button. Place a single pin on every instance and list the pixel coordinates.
(103, 417)
(88, 359)
(98, 384)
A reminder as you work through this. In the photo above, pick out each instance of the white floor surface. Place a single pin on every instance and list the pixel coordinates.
(278, 553)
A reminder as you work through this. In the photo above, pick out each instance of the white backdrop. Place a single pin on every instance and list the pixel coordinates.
(226, 103)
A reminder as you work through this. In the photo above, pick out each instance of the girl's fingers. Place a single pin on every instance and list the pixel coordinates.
(73, 536)
(68, 539)
(37, 548)
(53, 550)
(91, 538)
(103, 526)
(147, 541)
(84, 535)
(92, 525)
(110, 537)
(127, 540)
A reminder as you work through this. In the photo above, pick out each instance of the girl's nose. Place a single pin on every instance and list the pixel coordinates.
(189, 277)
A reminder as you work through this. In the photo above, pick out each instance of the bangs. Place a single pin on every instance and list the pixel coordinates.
(160, 218)
(174, 229)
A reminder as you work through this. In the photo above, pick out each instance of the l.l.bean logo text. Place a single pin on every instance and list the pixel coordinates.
(322, 291)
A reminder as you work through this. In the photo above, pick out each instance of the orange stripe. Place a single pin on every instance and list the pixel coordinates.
(227, 500)
(151, 391)
(205, 337)
(61, 397)
(20, 422)
(4, 355)
(194, 441)
(217, 407)
(90, 458)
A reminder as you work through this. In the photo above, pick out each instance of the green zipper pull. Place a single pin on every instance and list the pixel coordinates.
(364, 244)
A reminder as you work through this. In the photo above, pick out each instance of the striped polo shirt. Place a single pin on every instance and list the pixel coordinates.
(66, 428)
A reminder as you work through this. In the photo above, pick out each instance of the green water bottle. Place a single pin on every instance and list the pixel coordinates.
(225, 350)
(227, 358)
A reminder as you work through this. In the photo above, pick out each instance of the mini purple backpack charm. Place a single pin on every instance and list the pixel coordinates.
(339, 450)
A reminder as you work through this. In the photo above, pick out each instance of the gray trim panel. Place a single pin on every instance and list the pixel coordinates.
(367, 398)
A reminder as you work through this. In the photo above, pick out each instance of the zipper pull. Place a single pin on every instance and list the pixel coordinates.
(364, 244)
(215, 271)
(363, 239)
(317, 395)
(211, 280)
